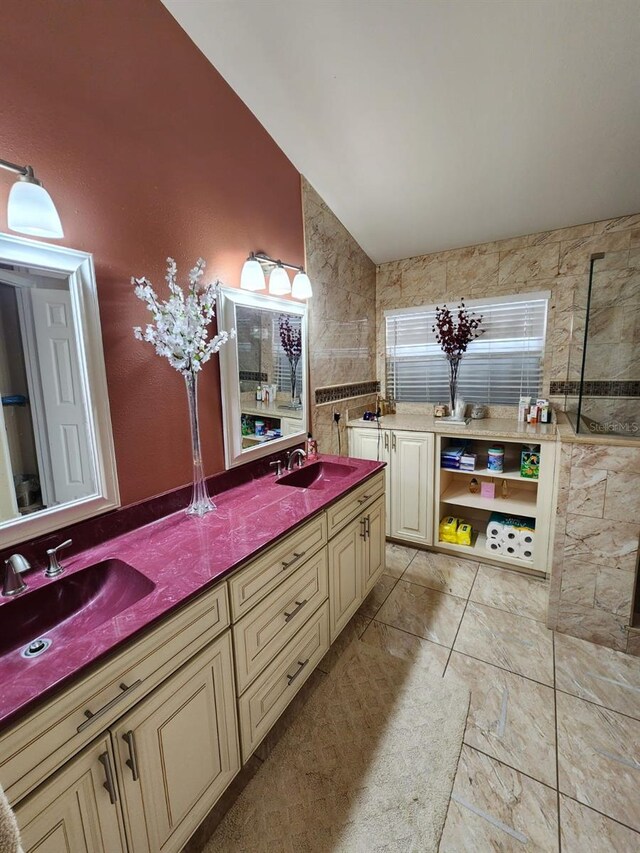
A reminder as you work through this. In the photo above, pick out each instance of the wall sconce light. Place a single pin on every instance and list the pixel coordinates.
(30, 209)
(253, 277)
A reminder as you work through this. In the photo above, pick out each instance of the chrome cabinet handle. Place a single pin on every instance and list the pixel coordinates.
(91, 716)
(386, 440)
(363, 499)
(132, 762)
(301, 666)
(299, 605)
(295, 559)
(393, 440)
(363, 525)
(109, 784)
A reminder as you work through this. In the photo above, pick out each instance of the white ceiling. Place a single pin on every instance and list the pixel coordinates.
(429, 125)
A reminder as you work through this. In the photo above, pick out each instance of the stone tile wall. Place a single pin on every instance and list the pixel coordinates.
(342, 324)
(557, 261)
(596, 544)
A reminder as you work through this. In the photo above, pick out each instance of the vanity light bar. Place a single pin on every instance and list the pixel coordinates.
(253, 276)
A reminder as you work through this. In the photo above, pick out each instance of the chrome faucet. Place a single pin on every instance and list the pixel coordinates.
(13, 583)
(54, 568)
(298, 453)
(277, 465)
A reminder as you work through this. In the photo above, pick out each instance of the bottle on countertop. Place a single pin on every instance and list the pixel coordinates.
(312, 446)
(259, 394)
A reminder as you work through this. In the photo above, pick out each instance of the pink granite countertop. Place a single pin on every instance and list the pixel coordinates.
(183, 557)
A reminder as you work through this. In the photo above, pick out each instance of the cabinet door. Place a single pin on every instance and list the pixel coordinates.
(178, 751)
(369, 443)
(73, 812)
(373, 546)
(411, 486)
(345, 575)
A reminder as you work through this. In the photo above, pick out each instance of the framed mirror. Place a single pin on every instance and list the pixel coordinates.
(264, 374)
(57, 463)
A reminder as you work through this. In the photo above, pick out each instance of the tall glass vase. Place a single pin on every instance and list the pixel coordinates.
(201, 503)
(454, 366)
(293, 364)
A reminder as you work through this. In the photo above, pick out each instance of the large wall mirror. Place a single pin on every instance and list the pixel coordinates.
(264, 374)
(57, 462)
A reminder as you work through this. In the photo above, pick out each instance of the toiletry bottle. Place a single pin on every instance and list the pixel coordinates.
(259, 394)
(312, 446)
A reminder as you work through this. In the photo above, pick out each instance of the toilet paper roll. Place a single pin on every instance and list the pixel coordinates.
(495, 529)
(526, 537)
(523, 552)
(511, 535)
(511, 548)
(494, 544)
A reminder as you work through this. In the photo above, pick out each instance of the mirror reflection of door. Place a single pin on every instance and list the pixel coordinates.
(270, 374)
(44, 441)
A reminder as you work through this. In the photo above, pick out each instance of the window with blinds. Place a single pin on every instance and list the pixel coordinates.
(499, 367)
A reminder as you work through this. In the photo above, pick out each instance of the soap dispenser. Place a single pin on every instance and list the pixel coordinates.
(312, 446)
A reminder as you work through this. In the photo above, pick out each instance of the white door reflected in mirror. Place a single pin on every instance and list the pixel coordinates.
(56, 451)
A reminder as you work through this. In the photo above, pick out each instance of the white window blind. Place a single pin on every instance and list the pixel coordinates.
(504, 363)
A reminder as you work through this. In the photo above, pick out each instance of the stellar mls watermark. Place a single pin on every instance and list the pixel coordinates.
(618, 427)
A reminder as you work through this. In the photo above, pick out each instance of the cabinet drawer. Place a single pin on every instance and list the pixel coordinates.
(260, 635)
(342, 512)
(253, 582)
(39, 744)
(270, 694)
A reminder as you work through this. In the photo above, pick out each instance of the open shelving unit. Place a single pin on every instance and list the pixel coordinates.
(529, 498)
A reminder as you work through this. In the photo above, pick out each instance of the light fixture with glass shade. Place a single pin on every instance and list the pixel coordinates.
(301, 288)
(30, 209)
(258, 264)
(252, 276)
(279, 284)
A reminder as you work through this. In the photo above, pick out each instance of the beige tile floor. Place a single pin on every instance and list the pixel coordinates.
(551, 755)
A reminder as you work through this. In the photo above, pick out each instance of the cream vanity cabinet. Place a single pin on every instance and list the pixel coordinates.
(290, 604)
(410, 465)
(356, 552)
(151, 778)
(160, 722)
(176, 752)
(134, 755)
(75, 812)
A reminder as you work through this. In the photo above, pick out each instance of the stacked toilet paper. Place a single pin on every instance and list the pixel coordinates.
(511, 536)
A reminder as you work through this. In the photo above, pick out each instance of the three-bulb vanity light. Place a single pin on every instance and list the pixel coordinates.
(30, 209)
(253, 277)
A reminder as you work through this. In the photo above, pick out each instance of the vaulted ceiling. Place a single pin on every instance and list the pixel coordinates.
(427, 125)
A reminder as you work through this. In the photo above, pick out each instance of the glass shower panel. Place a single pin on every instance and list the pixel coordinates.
(606, 345)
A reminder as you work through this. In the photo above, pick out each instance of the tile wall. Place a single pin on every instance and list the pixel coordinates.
(595, 552)
(342, 323)
(557, 261)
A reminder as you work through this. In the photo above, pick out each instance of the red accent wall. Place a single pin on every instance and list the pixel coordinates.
(147, 152)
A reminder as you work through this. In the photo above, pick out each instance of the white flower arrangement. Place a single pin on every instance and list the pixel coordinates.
(179, 332)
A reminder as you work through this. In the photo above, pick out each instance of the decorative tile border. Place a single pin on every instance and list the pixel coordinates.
(596, 389)
(343, 392)
(252, 376)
